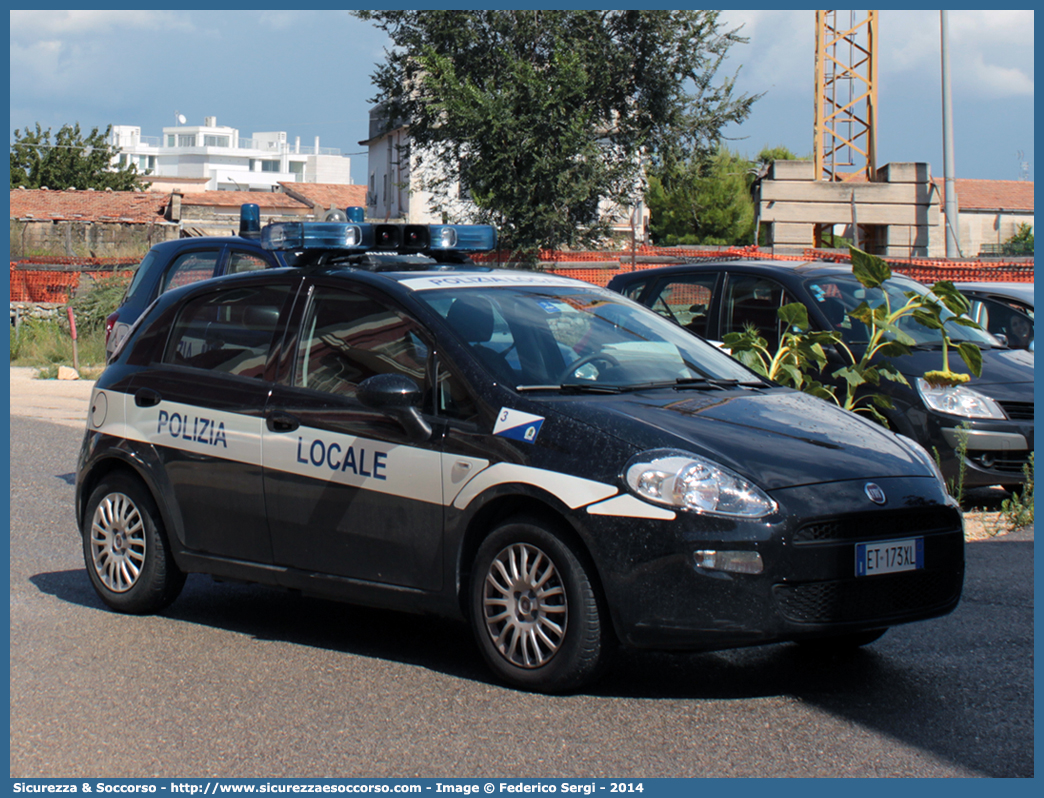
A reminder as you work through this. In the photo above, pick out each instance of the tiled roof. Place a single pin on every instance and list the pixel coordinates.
(135, 207)
(329, 195)
(991, 195)
(266, 200)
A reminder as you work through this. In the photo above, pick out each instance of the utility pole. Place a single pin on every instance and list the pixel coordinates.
(953, 247)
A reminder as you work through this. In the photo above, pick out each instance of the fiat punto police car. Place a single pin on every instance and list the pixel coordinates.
(550, 461)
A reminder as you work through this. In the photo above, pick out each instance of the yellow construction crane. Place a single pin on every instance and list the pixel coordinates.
(846, 96)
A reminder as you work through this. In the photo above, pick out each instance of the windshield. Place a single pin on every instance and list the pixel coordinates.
(838, 295)
(574, 336)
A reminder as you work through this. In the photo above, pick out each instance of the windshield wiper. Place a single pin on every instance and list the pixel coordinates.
(577, 387)
(710, 382)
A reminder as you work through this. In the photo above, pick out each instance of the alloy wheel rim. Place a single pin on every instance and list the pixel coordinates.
(525, 606)
(118, 542)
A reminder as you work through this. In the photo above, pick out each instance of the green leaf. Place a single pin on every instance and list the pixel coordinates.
(880, 400)
(752, 361)
(972, 357)
(894, 349)
(788, 374)
(851, 375)
(864, 313)
(927, 318)
(868, 269)
(794, 315)
(953, 299)
(891, 373)
(818, 389)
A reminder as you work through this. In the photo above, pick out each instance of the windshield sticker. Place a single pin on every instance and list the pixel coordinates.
(517, 425)
(551, 307)
(485, 279)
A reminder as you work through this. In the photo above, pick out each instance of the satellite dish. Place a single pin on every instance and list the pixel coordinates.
(180, 118)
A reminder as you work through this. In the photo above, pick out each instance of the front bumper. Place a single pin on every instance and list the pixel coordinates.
(808, 587)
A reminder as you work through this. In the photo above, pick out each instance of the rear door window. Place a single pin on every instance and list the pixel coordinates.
(686, 300)
(191, 267)
(239, 261)
(229, 331)
(754, 301)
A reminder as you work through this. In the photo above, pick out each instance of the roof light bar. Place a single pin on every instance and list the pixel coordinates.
(462, 237)
(359, 237)
(318, 235)
(389, 236)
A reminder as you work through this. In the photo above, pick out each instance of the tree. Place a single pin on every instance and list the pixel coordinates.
(1021, 243)
(543, 117)
(708, 201)
(72, 160)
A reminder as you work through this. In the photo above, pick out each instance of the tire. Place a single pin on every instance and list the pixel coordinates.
(125, 548)
(841, 643)
(535, 613)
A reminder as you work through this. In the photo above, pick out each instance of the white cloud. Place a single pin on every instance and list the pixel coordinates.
(280, 20)
(32, 25)
(993, 80)
(780, 55)
(991, 52)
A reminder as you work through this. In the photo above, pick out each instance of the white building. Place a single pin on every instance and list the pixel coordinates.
(228, 162)
(395, 185)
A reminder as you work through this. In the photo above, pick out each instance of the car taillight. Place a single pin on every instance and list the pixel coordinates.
(110, 322)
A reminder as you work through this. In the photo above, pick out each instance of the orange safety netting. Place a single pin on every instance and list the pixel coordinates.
(922, 269)
(28, 285)
(43, 286)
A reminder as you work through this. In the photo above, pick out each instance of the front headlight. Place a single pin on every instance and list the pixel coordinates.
(959, 400)
(687, 481)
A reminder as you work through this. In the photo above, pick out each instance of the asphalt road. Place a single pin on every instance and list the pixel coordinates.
(242, 681)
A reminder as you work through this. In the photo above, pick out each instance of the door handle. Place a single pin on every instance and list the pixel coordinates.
(146, 397)
(282, 422)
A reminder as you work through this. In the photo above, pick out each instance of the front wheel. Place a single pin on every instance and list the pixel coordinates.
(125, 548)
(534, 610)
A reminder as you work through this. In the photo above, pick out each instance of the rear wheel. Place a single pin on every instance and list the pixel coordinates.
(534, 610)
(125, 548)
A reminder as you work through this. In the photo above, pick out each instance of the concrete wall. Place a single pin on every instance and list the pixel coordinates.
(86, 239)
(981, 228)
(902, 206)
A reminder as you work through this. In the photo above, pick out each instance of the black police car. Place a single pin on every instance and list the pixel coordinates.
(552, 462)
(994, 411)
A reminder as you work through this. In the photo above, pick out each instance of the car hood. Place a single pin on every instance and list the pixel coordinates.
(1000, 367)
(778, 438)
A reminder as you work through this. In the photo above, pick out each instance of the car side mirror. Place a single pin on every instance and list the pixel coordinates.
(399, 397)
(1002, 338)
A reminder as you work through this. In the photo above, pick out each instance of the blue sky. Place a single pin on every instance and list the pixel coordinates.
(308, 73)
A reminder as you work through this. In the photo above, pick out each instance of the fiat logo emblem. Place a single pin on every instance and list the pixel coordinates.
(874, 493)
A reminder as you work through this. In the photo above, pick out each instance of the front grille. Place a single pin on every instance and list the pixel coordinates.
(1018, 411)
(884, 523)
(866, 598)
(1001, 462)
